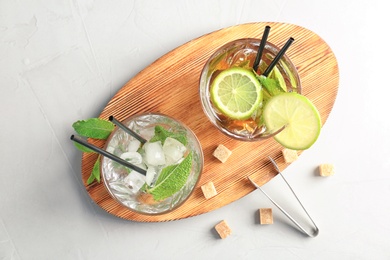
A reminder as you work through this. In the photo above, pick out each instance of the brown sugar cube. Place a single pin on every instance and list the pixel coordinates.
(222, 153)
(223, 229)
(266, 216)
(289, 155)
(326, 169)
(209, 190)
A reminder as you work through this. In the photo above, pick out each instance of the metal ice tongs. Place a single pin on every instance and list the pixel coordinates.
(316, 230)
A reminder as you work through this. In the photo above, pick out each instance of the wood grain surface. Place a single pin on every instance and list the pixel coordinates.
(170, 86)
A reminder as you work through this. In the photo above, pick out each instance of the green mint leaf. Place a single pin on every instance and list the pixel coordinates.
(94, 128)
(272, 86)
(96, 169)
(83, 148)
(95, 174)
(277, 75)
(90, 179)
(160, 134)
(171, 179)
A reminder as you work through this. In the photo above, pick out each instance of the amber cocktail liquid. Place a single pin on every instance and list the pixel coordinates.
(242, 53)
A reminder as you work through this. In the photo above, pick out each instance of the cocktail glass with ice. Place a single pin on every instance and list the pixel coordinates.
(164, 152)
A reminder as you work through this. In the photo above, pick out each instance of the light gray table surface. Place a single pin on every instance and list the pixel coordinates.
(61, 61)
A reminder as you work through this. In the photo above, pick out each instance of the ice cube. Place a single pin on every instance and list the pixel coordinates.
(133, 145)
(112, 146)
(173, 150)
(132, 157)
(150, 175)
(154, 154)
(135, 181)
(117, 151)
(114, 142)
(110, 149)
(147, 133)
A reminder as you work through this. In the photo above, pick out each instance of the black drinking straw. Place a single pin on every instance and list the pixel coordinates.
(261, 48)
(107, 154)
(278, 56)
(127, 130)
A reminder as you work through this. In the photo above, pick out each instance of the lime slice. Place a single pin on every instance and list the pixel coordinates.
(299, 116)
(236, 92)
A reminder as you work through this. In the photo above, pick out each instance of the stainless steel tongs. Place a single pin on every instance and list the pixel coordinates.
(315, 231)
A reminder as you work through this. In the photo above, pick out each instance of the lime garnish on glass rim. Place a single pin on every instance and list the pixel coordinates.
(236, 92)
(300, 117)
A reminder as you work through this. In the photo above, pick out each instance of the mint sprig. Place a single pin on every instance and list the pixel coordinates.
(272, 86)
(95, 128)
(171, 179)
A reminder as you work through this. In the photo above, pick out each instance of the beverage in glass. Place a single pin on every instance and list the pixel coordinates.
(242, 53)
(129, 187)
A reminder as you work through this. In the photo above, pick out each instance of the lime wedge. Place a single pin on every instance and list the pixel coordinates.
(236, 92)
(300, 117)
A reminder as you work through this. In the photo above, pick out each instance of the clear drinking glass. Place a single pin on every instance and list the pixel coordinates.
(242, 53)
(125, 185)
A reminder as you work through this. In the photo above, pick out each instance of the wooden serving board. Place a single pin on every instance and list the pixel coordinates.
(170, 86)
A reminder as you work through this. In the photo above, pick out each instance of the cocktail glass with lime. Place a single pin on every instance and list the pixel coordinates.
(171, 156)
(235, 97)
(242, 118)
